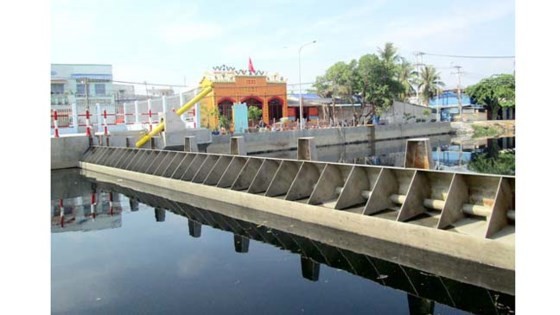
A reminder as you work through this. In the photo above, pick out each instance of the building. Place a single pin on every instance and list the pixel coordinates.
(312, 105)
(231, 86)
(124, 93)
(83, 84)
(162, 92)
(318, 109)
(447, 104)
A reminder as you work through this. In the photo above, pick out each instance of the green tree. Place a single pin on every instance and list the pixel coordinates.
(378, 78)
(407, 77)
(224, 122)
(494, 92)
(254, 114)
(429, 83)
(339, 82)
(388, 54)
(377, 81)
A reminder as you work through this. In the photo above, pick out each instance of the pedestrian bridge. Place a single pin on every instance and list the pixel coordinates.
(464, 216)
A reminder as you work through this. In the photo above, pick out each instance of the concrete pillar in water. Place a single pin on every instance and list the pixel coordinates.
(306, 149)
(310, 269)
(195, 229)
(160, 214)
(237, 146)
(133, 204)
(419, 306)
(418, 154)
(241, 244)
(190, 144)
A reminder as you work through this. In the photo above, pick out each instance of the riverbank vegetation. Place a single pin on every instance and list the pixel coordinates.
(494, 92)
(502, 164)
(486, 131)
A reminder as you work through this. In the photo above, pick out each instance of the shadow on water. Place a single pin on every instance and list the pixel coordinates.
(84, 204)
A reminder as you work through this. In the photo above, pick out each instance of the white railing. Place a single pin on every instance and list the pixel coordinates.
(134, 115)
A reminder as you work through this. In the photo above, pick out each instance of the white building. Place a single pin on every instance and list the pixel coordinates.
(84, 84)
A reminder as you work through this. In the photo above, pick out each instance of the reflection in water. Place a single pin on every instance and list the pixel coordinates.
(423, 289)
(97, 210)
(447, 153)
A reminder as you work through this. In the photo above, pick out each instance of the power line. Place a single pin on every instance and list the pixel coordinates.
(473, 57)
(144, 83)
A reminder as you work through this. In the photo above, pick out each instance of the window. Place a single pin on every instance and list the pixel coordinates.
(100, 89)
(57, 88)
(81, 89)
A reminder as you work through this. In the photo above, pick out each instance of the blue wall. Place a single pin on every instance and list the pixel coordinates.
(449, 99)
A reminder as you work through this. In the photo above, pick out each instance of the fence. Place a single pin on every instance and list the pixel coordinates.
(75, 118)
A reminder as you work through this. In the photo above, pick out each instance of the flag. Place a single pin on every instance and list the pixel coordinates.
(251, 68)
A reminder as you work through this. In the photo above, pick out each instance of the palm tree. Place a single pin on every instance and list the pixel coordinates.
(407, 77)
(430, 82)
(388, 54)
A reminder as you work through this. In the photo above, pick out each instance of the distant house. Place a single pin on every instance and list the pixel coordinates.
(314, 105)
(447, 104)
(84, 84)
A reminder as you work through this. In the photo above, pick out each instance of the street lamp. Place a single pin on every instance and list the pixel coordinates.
(300, 93)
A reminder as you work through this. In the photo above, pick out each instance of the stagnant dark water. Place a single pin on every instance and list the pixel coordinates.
(138, 253)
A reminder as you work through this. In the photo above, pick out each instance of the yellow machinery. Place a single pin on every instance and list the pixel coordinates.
(161, 126)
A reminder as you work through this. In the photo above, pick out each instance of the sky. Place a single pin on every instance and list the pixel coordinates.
(176, 42)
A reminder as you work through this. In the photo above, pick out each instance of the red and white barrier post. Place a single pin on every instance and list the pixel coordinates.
(111, 203)
(93, 203)
(150, 118)
(61, 206)
(195, 117)
(105, 129)
(55, 119)
(88, 126)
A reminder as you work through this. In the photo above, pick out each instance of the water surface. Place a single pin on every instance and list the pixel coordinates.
(134, 252)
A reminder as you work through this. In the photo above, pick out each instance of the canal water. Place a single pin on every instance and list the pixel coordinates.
(116, 250)
(448, 153)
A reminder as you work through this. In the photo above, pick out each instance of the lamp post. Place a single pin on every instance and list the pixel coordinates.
(300, 93)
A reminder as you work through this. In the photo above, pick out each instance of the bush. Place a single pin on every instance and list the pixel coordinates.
(503, 165)
(485, 131)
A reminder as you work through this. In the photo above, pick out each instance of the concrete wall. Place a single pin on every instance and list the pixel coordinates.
(396, 113)
(287, 140)
(67, 151)
(396, 131)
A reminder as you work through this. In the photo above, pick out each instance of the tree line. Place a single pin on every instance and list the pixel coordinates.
(376, 80)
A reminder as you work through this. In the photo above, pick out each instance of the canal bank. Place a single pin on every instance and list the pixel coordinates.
(267, 142)
(67, 150)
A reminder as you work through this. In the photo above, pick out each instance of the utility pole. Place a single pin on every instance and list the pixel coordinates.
(301, 122)
(87, 92)
(419, 62)
(459, 97)
(146, 84)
